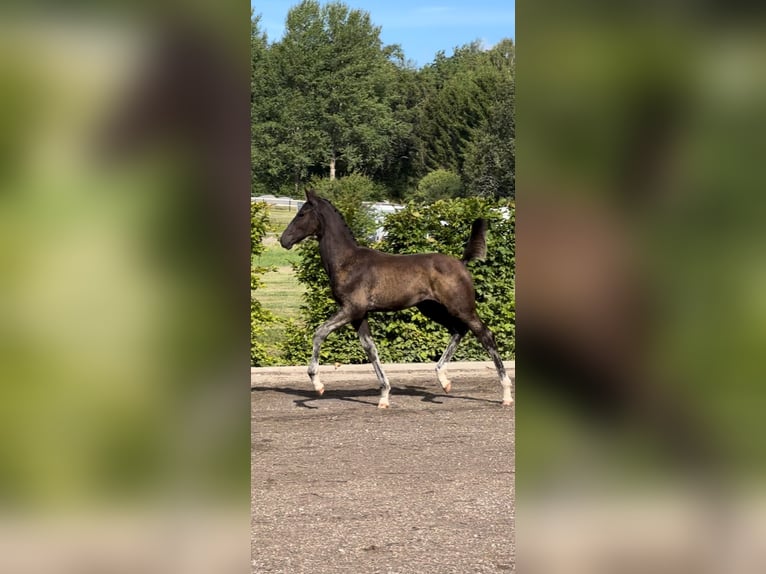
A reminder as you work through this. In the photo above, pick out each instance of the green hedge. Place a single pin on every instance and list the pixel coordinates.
(408, 336)
(259, 217)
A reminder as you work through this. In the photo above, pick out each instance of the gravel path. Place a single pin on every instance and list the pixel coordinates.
(338, 485)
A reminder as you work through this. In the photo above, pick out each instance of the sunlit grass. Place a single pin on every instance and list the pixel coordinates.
(279, 218)
(276, 256)
(281, 292)
(280, 295)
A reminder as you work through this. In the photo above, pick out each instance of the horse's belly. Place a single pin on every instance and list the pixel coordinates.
(399, 294)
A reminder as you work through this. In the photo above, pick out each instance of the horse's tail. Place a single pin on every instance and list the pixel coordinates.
(476, 248)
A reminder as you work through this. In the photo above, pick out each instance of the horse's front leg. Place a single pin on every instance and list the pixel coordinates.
(365, 337)
(337, 321)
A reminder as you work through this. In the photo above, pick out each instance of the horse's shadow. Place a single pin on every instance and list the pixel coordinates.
(358, 395)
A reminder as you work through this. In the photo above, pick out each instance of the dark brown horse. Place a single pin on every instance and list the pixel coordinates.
(364, 280)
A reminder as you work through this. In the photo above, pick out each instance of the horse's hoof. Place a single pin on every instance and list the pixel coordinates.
(443, 381)
(507, 403)
(320, 391)
(382, 405)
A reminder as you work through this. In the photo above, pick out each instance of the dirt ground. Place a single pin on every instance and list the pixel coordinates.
(339, 485)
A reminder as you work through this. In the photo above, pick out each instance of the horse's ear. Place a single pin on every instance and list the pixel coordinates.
(311, 195)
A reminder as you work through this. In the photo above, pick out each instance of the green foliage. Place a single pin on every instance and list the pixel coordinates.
(324, 97)
(444, 227)
(259, 217)
(259, 221)
(329, 94)
(349, 191)
(490, 157)
(408, 336)
(459, 94)
(439, 184)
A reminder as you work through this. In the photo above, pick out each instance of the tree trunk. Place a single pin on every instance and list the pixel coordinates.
(332, 167)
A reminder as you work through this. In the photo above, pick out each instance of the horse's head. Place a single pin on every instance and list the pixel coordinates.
(305, 223)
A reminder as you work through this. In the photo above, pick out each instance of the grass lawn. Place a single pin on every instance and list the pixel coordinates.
(281, 295)
(275, 255)
(281, 292)
(279, 217)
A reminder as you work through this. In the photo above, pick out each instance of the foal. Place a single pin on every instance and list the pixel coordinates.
(364, 280)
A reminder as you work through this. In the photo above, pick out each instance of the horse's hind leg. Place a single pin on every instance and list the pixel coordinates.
(335, 322)
(439, 313)
(446, 358)
(365, 337)
(487, 339)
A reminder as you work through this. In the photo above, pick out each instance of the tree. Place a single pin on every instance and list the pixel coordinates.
(457, 94)
(490, 158)
(329, 98)
(327, 102)
(439, 184)
(466, 115)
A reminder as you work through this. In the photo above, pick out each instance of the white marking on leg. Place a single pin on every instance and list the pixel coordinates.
(314, 376)
(318, 386)
(443, 380)
(445, 358)
(385, 386)
(507, 398)
(383, 401)
(487, 339)
(372, 354)
(336, 321)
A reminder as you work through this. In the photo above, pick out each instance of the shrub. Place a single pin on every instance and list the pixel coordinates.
(439, 184)
(444, 227)
(259, 216)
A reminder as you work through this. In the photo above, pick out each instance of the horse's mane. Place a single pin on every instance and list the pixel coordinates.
(326, 203)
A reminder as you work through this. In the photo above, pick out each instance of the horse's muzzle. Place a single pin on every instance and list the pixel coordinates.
(286, 242)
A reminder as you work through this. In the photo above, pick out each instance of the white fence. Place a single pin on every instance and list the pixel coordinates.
(379, 212)
(287, 202)
(379, 209)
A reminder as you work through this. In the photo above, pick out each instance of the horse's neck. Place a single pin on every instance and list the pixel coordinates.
(336, 242)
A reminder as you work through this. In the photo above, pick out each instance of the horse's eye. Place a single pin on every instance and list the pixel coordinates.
(301, 214)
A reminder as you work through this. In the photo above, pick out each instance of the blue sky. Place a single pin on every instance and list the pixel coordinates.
(420, 28)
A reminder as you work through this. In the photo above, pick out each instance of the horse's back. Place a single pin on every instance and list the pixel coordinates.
(422, 264)
(401, 281)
